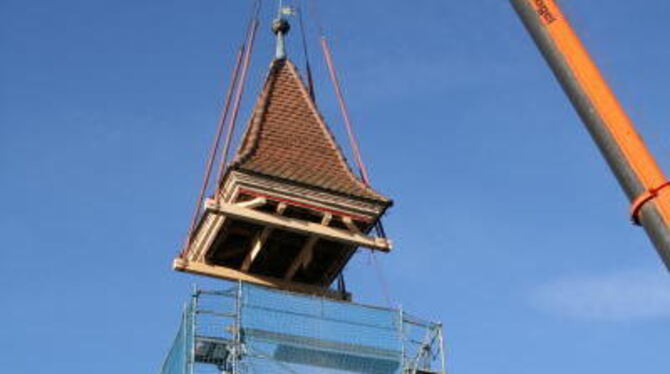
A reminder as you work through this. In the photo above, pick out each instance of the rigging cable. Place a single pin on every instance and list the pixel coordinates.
(345, 112)
(219, 132)
(328, 56)
(238, 95)
(379, 227)
(381, 278)
(308, 68)
(215, 147)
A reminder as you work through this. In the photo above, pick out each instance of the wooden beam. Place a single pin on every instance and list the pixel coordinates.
(209, 228)
(303, 258)
(252, 204)
(351, 225)
(298, 226)
(235, 275)
(305, 255)
(281, 208)
(259, 242)
(327, 217)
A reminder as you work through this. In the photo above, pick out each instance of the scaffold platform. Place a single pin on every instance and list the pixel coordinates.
(252, 329)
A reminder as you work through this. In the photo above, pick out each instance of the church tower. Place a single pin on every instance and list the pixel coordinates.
(286, 216)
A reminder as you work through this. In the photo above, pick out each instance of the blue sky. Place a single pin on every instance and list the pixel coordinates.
(508, 226)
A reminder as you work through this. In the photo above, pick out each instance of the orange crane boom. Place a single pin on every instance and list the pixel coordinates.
(639, 175)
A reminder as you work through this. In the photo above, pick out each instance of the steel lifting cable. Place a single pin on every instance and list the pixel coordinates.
(234, 81)
(215, 147)
(308, 67)
(379, 227)
(332, 73)
(381, 278)
(251, 37)
(343, 107)
(345, 112)
(238, 98)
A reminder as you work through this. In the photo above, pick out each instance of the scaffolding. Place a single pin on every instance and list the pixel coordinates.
(253, 329)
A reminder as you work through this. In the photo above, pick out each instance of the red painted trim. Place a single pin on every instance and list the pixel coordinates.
(304, 205)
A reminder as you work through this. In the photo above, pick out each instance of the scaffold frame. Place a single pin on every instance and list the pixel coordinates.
(253, 329)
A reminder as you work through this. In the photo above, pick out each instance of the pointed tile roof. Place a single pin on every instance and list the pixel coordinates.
(287, 138)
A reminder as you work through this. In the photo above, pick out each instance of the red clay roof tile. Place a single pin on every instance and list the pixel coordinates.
(287, 138)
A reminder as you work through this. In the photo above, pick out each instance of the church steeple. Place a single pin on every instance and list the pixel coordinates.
(288, 139)
(290, 212)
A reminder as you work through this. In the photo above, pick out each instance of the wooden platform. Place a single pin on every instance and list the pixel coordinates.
(235, 275)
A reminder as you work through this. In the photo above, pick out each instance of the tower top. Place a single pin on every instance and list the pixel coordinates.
(281, 27)
(289, 212)
(288, 139)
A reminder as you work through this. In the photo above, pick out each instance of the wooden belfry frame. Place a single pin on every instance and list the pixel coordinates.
(339, 228)
(288, 214)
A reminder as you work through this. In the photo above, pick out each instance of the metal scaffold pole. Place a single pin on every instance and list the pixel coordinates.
(443, 360)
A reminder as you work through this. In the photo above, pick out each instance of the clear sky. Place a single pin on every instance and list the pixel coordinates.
(508, 226)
